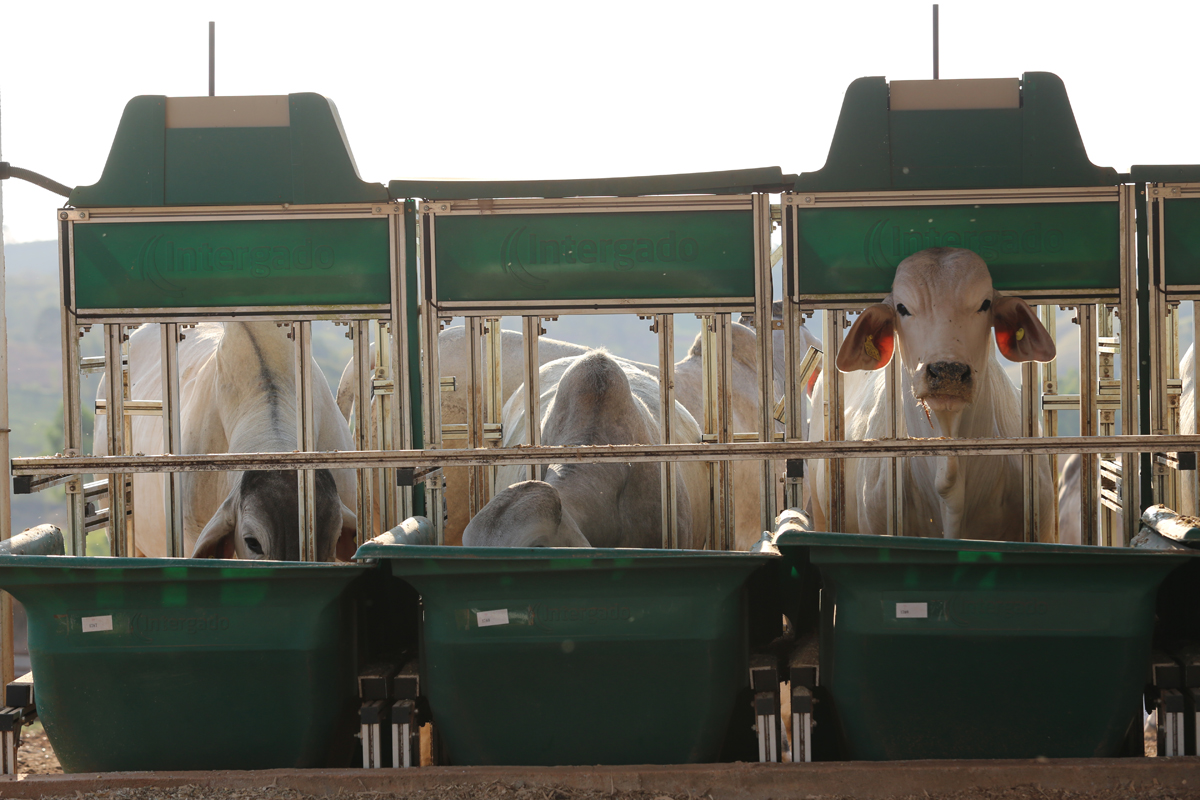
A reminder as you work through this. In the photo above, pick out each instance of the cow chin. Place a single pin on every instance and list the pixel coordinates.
(945, 402)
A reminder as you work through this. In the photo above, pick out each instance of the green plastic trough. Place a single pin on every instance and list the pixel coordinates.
(549, 656)
(934, 648)
(174, 664)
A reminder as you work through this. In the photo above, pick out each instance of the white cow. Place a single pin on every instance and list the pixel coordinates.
(593, 399)
(940, 314)
(238, 395)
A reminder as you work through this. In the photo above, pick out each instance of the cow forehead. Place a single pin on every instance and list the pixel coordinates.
(944, 273)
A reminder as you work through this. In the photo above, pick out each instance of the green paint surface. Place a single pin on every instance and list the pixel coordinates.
(1026, 246)
(644, 255)
(1181, 221)
(253, 263)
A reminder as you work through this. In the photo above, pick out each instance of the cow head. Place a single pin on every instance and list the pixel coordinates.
(941, 313)
(526, 514)
(260, 519)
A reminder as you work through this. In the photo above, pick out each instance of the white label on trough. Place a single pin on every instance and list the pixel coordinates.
(912, 610)
(497, 617)
(93, 624)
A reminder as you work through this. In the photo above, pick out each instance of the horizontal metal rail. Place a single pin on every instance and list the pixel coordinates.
(736, 451)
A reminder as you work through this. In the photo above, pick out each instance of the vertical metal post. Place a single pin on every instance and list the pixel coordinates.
(531, 329)
(1049, 386)
(212, 59)
(432, 377)
(1167, 478)
(493, 347)
(385, 413)
(402, 400)
(895, 483)
(115, 414)
(664, 326)
(6, 633)
(935, 41)
(1130, 486)
(172, 438)
(305, 438)
(835, 419)
(1089, 474)
(76, 536)
(1031, 396)
(360, 333)
(1159, 402)
(475, 438)
(793, 387)
(766, 350)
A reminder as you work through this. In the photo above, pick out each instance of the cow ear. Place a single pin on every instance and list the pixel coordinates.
(1019, 334)
(216, 540)
(347, 542)
(871, 339)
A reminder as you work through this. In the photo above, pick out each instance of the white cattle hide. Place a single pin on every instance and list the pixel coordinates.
(237, 395)
(940, 315)
(593, 399)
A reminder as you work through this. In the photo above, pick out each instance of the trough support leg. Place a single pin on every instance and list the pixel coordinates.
(11, 720)
(403, 716)
(372, 717)
(802, 707)
(803, 672)
(764, 681)
(1170, 723)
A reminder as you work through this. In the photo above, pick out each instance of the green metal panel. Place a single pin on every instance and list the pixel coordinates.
(580, 656)
(601, 256)
(877, 149)
(309, 161)
(739, 181)
(1181, 241)
(1165, 173)
(284, 262)
(1027, 246)
(172, 664)
(934, 648)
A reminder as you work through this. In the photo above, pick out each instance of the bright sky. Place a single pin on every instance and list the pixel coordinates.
(520, 89)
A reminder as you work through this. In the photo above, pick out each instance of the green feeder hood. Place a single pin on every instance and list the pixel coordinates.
(1165, 173)
(737, 181)
(177, 151)
(956, 134)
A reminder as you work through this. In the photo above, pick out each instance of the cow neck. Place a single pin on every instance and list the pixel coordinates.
(255, 364)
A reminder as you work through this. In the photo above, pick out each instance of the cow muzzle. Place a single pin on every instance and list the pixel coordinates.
(944, 385)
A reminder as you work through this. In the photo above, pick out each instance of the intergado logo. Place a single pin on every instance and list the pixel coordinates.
(546, 615)
(522, 249)
(162, 262)
(144, 626)
(887, 245)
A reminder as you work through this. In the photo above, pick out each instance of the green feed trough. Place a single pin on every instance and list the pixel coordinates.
(171, 664)
(535, 656)
(933, 648)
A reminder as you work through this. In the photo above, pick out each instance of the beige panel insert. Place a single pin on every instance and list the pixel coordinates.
(261, 111)
(960, 94)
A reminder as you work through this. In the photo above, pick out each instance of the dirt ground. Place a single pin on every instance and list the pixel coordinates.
(517, 791)
(35, 756)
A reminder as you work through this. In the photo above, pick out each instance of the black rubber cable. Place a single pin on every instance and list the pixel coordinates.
(9, 171)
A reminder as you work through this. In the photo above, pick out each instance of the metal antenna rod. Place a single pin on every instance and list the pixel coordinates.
(935, 41)
(212, 56)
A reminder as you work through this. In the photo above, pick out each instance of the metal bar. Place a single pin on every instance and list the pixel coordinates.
(531, 329)
(793, 378)
(115, 418)
(171, 411)
(360, 334)
(433, 407)
(835, 425)
(935, 41)
(476, 494)
(306, 439)
(766, 352)
(76, 533)
(598, 454)
(1048, 389)
(402, 403)
(664, 326)
(494, 387)
(724, 386)
(1089, 479)
(7, 668)
(382, 413)
(895, 485)
(1030, 393)
(212, 59)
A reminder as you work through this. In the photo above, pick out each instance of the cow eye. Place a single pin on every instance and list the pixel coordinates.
(902, 310)
(986, 305)
(254, 545)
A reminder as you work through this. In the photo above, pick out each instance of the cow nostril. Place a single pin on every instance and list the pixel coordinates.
(967, 374)
(933, 371)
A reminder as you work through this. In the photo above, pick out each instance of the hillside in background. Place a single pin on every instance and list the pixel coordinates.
(35, 360)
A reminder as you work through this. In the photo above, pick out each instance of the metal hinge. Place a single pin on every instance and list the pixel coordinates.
(435, 207)
(1165, 191)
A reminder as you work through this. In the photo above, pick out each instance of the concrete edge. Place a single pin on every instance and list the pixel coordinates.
(720, 781)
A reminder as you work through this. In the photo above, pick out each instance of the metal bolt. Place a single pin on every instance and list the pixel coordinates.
(62, 215)
(378, 209)
(445, 207)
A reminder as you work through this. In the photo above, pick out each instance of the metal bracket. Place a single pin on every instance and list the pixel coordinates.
(1165, 192)
(72, 214)
(433, 208)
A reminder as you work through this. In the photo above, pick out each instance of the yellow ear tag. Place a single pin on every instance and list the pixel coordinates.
(870, 349)
(1020, 334)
